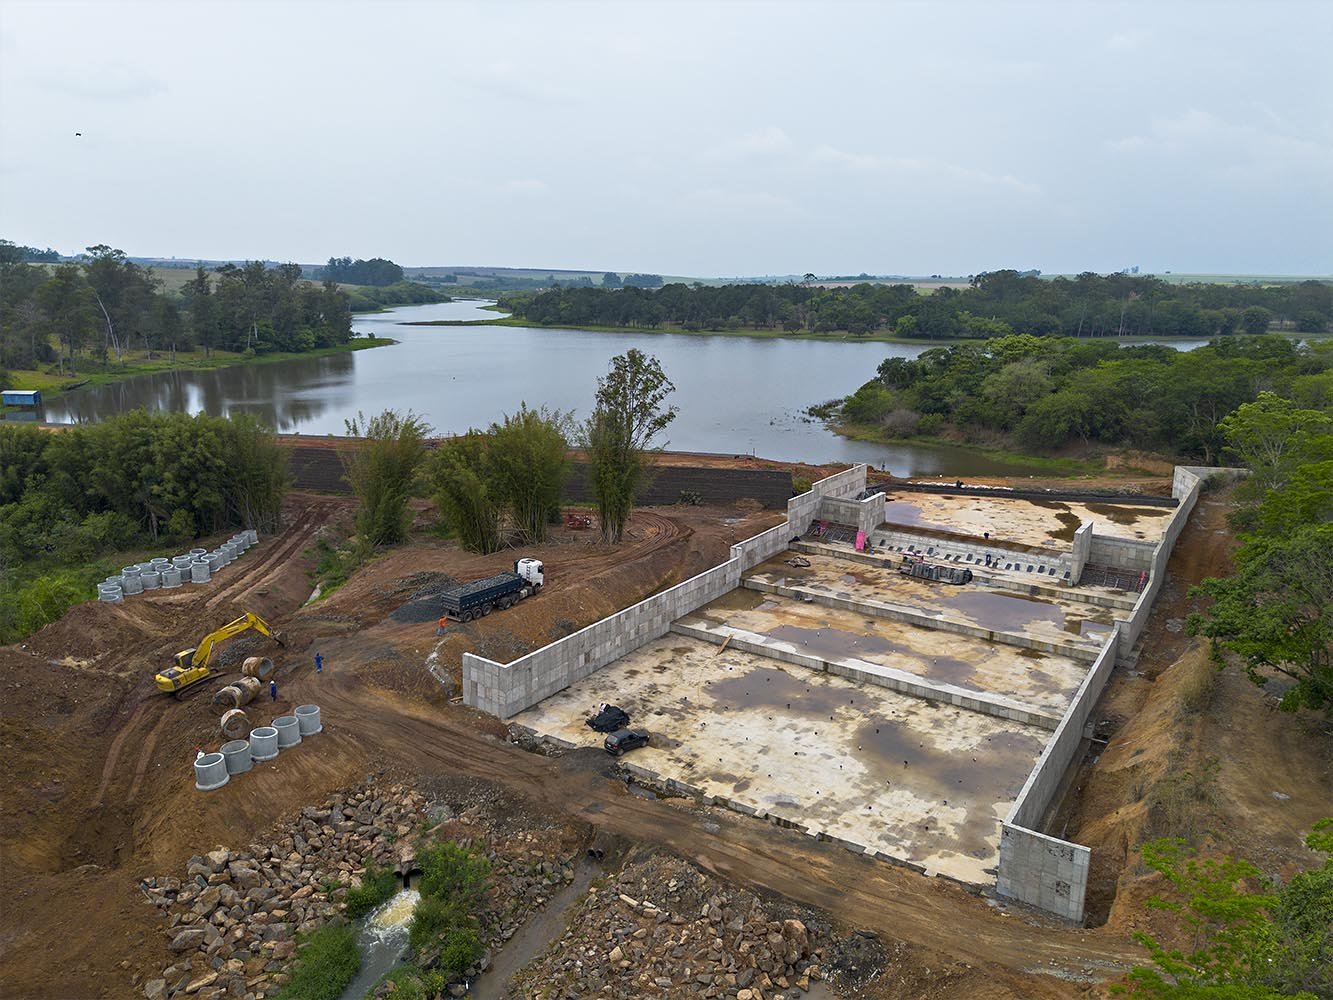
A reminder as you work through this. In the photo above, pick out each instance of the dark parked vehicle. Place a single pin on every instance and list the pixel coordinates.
(608, 719)
(624, 740)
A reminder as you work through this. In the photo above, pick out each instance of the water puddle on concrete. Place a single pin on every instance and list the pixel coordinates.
(773, 688)
(1117, 515)
(831, 644)
(1069, 524)
(1004, 612)
(902, 512)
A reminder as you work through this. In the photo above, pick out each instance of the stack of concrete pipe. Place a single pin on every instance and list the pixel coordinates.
(257, 666)
(195, 566)
(238, 755)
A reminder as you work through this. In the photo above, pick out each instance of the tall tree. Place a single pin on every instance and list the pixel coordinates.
(67, 302)
(630, 412)
(527, 466)
(382, 465)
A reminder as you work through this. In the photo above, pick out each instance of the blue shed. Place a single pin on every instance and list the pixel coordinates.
(21, 397)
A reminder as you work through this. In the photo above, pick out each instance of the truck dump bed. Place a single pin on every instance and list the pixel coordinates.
(479, 591)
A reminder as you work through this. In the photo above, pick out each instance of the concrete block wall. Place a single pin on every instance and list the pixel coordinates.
(763, 546)
(1078, 558)
(515, 686)
(1122, 553)
(864, 515)
(1051, 566)
(1034, 868)
(803, 509)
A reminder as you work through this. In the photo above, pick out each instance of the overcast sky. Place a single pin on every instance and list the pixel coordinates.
(708, 139)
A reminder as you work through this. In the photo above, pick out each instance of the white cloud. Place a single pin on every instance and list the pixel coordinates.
(767, 142)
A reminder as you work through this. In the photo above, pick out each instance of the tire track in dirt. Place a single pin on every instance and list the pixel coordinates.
(146, 753)
(307, 525)
(863, 893)
(113, 753)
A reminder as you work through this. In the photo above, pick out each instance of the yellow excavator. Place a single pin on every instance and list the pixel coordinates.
(192, 664)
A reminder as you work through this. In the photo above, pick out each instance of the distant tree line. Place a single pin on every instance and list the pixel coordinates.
(1044, 393)
(31, 255)
(138, 479)
(110, 305)
(995, 304)
(377, 271)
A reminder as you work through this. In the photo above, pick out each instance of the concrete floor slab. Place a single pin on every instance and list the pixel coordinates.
(1043, 680)
(1068, 627)
(1029, 522)
(908, 778)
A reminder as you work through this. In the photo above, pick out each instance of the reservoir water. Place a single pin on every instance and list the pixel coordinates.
(737, 395)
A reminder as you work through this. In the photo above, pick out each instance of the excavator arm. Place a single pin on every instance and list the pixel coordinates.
(204, 652)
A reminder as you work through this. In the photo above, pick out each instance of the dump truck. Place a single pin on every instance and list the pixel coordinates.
(919, 568)
(194, 665)
(480, 597)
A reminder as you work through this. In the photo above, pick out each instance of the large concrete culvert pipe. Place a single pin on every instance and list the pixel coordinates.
(228, 696)
(257, 666)
(308, 718)
(250, 687)
(210, 772)
(110, 593)
(289, 731)
(235, 724)
(200, 571)
(151, 579)
(263, 744)
(237, 756)
(171, 578)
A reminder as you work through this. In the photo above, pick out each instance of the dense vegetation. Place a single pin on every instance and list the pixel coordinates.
(108, 306)
(326, 962)
(382, 470)
(996, 304)
(403, 293)
(376, 271)
(517, 469)
(1276, 611)
(69, 498)
(1250, 938)
(1044, 393)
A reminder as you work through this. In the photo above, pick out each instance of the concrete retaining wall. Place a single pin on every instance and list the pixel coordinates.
(505, 690)
(1122, 553)
(863, 515)
(1037, 869)
(1082, 548)
(1048, 566)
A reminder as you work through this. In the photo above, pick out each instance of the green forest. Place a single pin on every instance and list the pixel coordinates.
(995, 304)
(107, 312)
(69, 499)
(1043, 394)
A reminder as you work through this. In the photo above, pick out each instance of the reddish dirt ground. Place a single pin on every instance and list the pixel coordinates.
(100, 792)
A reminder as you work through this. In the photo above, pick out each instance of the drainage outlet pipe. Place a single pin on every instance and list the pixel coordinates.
(171, 578)
(235, 724)
(263, 743)
(151, 579)
(200, 571)
(257, 666)
(210, 772)
(237, 756)
(307, 716)
(289, 731)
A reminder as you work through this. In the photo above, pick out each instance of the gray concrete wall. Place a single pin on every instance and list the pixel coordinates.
(864, 515)
(1122, 553)
(1035, 868)
(505, 690)
(1050, 566)
(1079, 556)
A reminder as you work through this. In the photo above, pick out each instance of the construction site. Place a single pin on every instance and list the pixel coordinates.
(926, 722)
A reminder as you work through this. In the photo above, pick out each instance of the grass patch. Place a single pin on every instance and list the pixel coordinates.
(377, 887)
(138, 363)
(337, 563)
(326, 962)
(444, 931)
(411, 983)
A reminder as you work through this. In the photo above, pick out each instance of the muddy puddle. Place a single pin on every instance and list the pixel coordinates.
(1117, 515)
(1069, 525)
(770, 687)
(831, 644)
(1004, 612)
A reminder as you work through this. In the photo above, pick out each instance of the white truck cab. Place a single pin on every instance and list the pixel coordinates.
(532, 571)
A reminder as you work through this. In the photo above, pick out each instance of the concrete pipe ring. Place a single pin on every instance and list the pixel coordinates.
(171, 578)
(132, 584)
(237, 755)
(289, 731)
(214, 560)
(308, 718)
(210, 772)
(196, 553)
(110, 594)
(264, 743)
(200, 571)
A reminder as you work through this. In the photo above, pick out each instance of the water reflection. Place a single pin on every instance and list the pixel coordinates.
(736, 395)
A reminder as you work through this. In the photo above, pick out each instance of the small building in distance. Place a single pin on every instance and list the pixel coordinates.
(20, 404)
